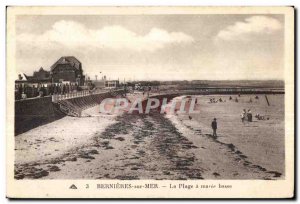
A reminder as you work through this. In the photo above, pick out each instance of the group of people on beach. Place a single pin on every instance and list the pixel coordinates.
(246, 115)
(261, 117)
(235, 100)
(213, 100)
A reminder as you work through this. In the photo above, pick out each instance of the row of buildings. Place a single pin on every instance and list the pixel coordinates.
(65, 75)
(65, 70)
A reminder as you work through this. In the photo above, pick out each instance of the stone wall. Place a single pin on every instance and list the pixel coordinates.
(31, 113)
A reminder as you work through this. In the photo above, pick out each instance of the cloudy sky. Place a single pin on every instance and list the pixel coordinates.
(156, 47)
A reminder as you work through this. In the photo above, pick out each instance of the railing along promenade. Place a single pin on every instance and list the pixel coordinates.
(203, 91)
(58, 97)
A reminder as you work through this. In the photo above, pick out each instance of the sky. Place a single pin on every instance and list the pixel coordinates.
(155, 47)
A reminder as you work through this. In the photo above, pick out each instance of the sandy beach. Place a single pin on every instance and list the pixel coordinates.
(257, 146)
(158, 146)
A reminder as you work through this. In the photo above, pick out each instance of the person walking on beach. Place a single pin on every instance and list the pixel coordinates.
(214, 126)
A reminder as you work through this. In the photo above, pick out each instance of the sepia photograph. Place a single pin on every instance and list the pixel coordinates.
(157, 94)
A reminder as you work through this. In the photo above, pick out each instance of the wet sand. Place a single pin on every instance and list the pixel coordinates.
(261, 141)
(137, 146)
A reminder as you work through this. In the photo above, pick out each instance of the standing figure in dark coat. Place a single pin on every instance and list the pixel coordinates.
(249, 115)
(214, 126)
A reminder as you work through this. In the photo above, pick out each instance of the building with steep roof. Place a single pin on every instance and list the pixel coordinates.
(67, 69)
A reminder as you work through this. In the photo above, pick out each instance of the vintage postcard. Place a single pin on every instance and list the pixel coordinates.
(150, 102)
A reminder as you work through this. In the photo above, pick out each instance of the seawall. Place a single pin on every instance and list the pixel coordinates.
(34, 112)
(31, 113)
